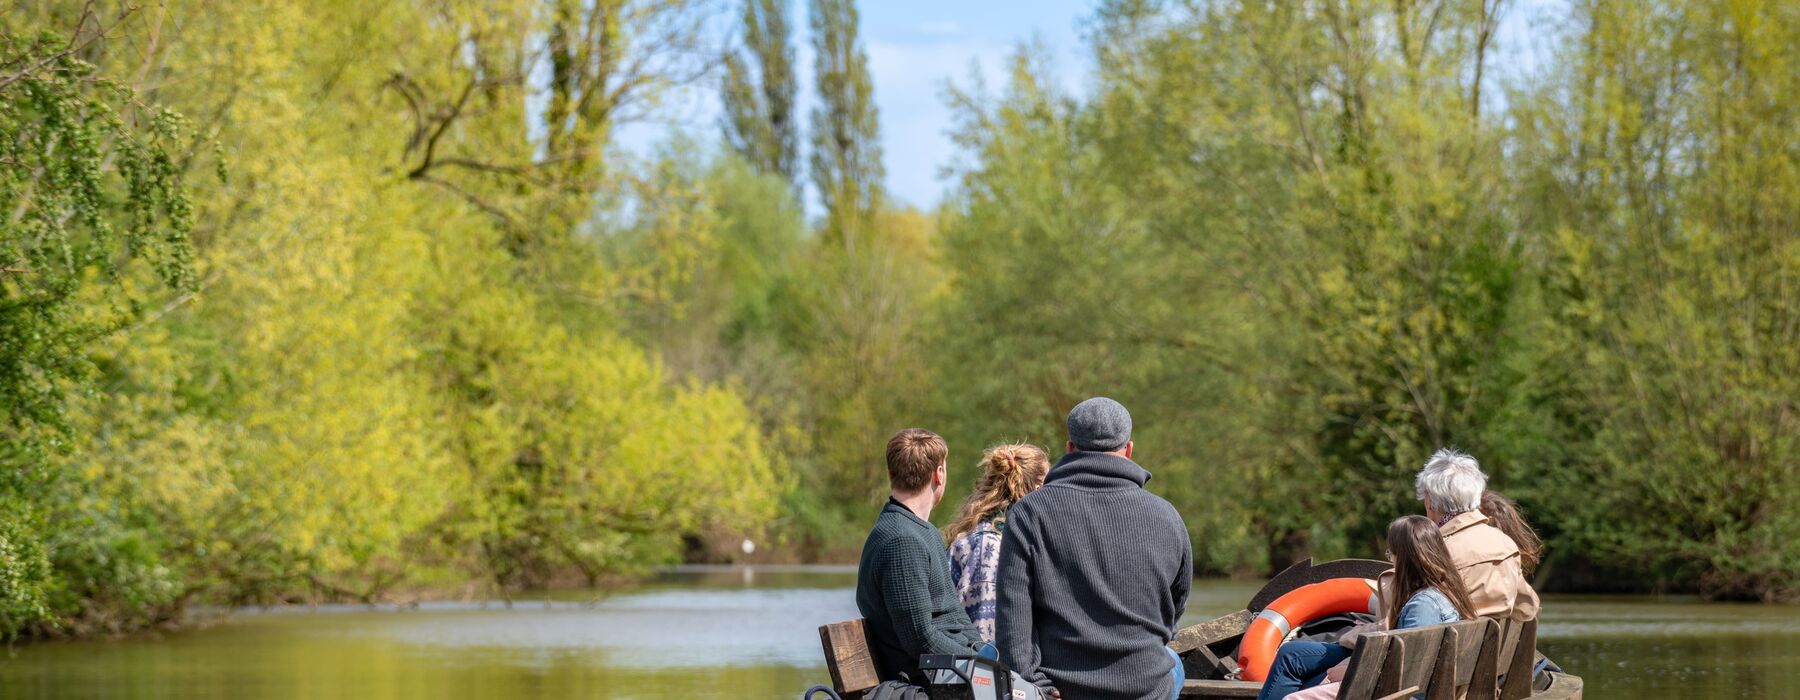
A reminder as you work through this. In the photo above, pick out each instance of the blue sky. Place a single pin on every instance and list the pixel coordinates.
(916, 46)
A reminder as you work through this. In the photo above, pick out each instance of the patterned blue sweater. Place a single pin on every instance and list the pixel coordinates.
(975, 568)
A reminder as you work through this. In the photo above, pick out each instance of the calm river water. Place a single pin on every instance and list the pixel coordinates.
(729, 635)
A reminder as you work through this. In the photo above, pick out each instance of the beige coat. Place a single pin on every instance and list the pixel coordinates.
(1489, 563)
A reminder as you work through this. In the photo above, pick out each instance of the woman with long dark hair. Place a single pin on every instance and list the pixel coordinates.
(1424, 578)
(1503, 513)
(1008, 472)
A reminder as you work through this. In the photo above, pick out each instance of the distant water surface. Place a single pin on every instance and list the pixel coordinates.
(711, 633)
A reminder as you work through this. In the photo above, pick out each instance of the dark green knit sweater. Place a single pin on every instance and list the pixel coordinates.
(908, 603)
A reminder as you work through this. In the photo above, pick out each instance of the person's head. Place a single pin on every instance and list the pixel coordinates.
(1504, 514)
(1100, 424)
(1421, 561)
(1008, 472)
(916, 463)
(1450, 484)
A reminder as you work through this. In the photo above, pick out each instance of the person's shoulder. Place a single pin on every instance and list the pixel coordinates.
(891, 536)
(1161, 506)
(1433, 602)
(967, 541)
(1024, 511)
(1480, 542)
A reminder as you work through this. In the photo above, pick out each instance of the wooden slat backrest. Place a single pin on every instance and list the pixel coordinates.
(1421, 647)
(1518, 666)
(1509, 639)
(847, 657)
(1368, 663)
(1470, 650)
(1395, 661)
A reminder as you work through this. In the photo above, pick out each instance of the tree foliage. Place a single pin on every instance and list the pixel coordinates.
(846, 148)
(759, 111)
(95, 209)
(398, 360)
(421, 327)
(1310, 245)
(1658, 175)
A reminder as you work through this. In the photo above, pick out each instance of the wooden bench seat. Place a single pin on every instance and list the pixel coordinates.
(1220, 689)
(1441, 662)
(1484, 659)
(848, 659)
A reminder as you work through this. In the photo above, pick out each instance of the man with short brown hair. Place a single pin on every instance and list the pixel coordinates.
(914, 456)
(909, 606)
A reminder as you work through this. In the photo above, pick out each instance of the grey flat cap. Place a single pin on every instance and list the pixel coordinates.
(1099, 424)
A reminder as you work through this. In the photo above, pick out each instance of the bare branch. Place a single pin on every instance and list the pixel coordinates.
(505, 218)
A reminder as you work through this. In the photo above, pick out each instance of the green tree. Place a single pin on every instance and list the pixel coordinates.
(1276, 229)
(846, 132)
(759, 111)
(1659, 188)
(96, 212)
(369, 386)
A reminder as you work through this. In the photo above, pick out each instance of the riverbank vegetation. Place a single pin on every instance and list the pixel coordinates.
(335, 299)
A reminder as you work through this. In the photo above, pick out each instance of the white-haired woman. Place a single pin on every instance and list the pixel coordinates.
(1483, 557)
(1488, 560)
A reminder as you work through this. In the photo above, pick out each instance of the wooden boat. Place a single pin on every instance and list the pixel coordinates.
(1481, 658)
(1477, 659)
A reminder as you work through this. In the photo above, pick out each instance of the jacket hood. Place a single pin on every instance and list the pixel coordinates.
(1097, 470)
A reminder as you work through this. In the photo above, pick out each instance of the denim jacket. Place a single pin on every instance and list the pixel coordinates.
(1425, 608)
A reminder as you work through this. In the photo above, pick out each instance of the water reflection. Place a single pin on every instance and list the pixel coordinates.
(719, 633)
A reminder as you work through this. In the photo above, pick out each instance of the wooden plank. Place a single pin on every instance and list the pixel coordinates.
(1228, 666)
(1401, 694)
(1509, 640)
(1420, 649)
(1204, 689)
(1211, 632)
(1517, 684)
(1202, 664)
(1366, 663)
(847, 657)
(1473, 649)
(1465, 643)
(1388, 680)
(1562, 687)
(1442, 683)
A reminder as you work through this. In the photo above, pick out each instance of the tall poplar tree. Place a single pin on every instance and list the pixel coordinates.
(846, 146)
(759, 109)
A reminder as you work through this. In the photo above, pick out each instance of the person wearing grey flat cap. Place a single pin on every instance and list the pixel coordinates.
(1094, 571)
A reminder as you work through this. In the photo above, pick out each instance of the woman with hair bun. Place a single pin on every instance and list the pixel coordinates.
(1008, 472)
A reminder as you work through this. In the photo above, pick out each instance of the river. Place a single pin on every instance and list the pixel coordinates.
(728, 634)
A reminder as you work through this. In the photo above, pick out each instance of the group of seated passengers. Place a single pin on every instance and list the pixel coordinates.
(1075, 576)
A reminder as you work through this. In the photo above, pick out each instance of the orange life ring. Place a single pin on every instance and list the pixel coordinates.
(1299, 606)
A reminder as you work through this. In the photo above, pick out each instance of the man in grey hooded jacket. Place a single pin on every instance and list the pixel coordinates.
(1094, 571)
